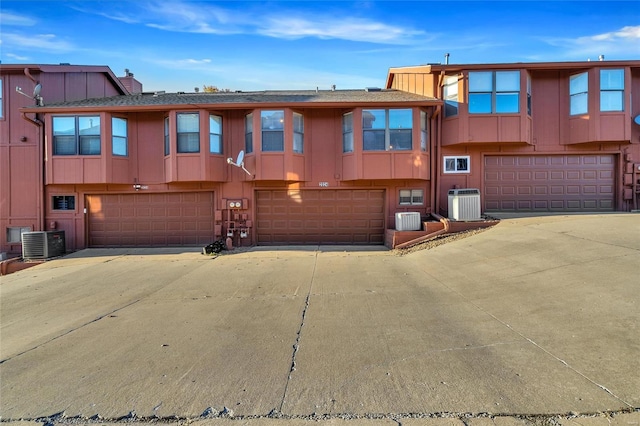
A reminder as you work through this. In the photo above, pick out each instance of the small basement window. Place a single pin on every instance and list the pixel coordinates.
(411, 197)
(64, 202)
(460, 164)
(14, 233)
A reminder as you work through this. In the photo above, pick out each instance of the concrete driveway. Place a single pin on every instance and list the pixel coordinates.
(535, 316)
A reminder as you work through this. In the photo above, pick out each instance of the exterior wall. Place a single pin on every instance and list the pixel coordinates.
(22, 155)
(549, 130)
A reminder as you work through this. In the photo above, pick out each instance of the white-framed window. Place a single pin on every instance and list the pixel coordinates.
(424, 130)
(73, 135)
(63, 202)
(215, 134)
(494, 92)
(387, 129)
(411, 197)
(298, 133)
(612, 90)
(248, 133)
(167, 144)
(451, 95)
(347, 132)
(579, 94)
(457, 164)
(272, 123)
(14, 233)
(188, 124)
(119, 139)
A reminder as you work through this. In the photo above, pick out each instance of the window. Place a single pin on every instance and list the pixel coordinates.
(63, 202)
(451, 96)
(298, 133)
(76, 135)
(347, 132)
(272, 131)
(167, 145)
(188, 132)
(494, 92)
(1, 103)
(578, 94)
(14, 233)
(460, 164)
(119, 145)
(411, 197)
(248, 133)
(385, 129)
(215, 134)
(528, 94)
(612, 90)
(424, 133)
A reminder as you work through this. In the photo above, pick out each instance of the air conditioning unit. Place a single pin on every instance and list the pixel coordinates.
(408, 221)
(43, 244)
(464, 204)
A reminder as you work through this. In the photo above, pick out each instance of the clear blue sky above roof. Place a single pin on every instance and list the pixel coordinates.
(256, 45)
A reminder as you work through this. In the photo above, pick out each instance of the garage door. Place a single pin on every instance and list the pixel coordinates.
(549, 183)
(320, 217)
(151, 220)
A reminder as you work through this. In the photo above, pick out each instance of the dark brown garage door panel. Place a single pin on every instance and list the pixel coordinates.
(320, 217)
(549, 183)
(172, 219)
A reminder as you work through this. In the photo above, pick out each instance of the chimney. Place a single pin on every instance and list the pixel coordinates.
(132, 85)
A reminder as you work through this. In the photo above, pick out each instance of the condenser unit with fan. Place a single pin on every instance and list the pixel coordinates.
(408, 221)
(43, 244)
(464, 204)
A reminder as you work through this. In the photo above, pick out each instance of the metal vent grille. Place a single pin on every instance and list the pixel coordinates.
(464, 204)
(43, 244)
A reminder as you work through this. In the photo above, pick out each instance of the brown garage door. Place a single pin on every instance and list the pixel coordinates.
(150, 220)
(320, 217)
(549, 183)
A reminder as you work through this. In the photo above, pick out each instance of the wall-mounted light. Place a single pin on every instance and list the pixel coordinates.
(23, 139)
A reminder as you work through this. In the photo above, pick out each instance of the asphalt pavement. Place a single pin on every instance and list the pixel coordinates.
(534, 320)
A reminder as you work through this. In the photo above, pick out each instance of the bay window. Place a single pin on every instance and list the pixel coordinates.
(75, 135)
(579, 94)
(347, 132)
(272, 123)
(248, 133)
(387, 129)
(119, 144)
(450, 95)
(612, 90)
(215, 134)
(494, 92)
(188, 132)
(298, 133)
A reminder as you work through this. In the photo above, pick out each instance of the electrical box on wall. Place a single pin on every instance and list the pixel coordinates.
(238, 204)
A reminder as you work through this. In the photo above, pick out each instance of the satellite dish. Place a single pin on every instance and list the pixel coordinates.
(37, 90)
(637, 119)
(239, 162)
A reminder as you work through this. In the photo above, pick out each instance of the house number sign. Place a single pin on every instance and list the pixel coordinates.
(324, 184)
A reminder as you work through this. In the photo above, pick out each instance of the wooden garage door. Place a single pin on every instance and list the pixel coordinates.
(549, 183)
(320, 217)
(151, 220)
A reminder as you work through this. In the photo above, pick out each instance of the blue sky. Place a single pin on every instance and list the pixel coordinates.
(258, 45)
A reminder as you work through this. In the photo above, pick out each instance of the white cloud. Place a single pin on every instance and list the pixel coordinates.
(191, 18)
(16, 20)
(40, 42)
(353, 29)
(621, 43)
(16, 57)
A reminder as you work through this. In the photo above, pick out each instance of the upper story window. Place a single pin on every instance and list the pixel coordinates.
(494, 92)
(272, 123)
(347, 132)
(424, 130)
(579, 93)
(215, 134)
(457, 164)
(612, 90)
(76, 135)
(450, 95)
(119, 144)
(386, 129)
(298, 133)
(248, 133)
(1, 101)
(63, 202)
(188, 132)
(167, 145)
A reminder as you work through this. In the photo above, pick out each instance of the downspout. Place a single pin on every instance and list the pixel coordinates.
(438, 144)
(40, 199)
